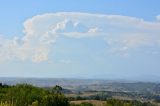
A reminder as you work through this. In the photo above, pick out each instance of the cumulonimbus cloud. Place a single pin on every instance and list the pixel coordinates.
(41, 31)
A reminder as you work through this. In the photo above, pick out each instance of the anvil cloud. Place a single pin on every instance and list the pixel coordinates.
(121, 34)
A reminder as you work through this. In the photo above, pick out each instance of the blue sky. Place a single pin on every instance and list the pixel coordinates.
(80, 39)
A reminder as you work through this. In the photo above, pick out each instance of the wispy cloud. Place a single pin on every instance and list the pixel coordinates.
(158, 17)
(65, 61)
(40, 32)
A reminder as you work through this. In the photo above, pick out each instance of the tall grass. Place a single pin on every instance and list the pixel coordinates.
(6, 103)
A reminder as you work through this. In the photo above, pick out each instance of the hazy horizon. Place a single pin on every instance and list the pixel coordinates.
(80, 39)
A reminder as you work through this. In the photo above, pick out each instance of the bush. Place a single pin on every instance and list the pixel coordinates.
(55, 100)
(5, 103)
(28, 95)
(116, 102)
(82, 104)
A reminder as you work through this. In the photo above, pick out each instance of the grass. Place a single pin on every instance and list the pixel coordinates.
(94, 102)
(6, 103)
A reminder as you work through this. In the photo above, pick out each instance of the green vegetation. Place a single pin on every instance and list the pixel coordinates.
(82, 104)
(28, 95)
(6, 103)
(111, 102)
(115, 102)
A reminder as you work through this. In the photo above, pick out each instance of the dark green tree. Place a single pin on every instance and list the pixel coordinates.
(55, 100)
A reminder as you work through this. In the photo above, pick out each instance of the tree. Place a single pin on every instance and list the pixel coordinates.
(55, 100)
(24, 94)
(57, 89)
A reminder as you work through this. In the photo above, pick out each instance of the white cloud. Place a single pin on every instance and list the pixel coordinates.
(122, 33)
(66, 61)
(158, 17)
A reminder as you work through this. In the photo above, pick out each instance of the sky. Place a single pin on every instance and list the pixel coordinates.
(106, 39)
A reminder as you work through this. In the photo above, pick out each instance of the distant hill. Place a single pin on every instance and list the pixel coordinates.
(88, 84)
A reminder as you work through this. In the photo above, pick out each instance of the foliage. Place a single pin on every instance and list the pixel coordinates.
(57, 89)
(6, 103)
(28, 95)
(116, 102)
(55, 100)
(82, 104)
(24, 94)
